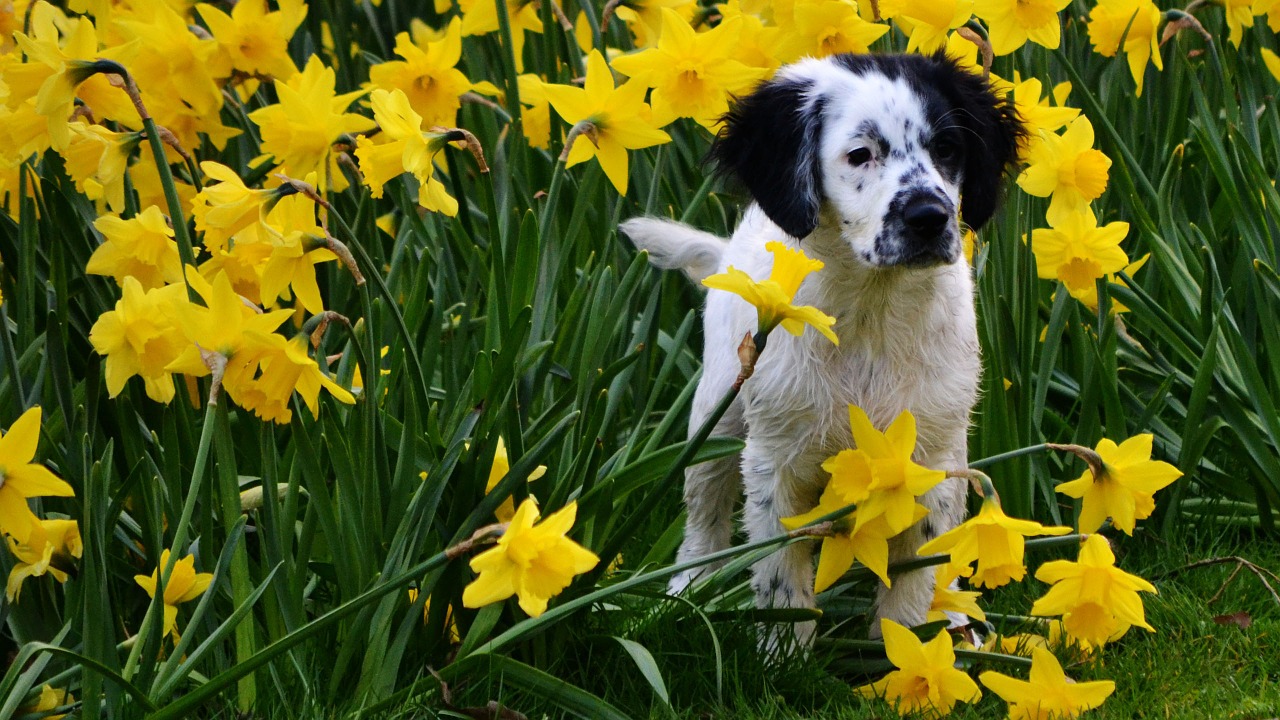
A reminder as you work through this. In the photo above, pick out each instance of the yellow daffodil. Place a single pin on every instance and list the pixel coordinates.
(49, 548)
(692, 74)
(1020, 644)
(225, 207)
(96, 159)
(1011, 23)
(21, 479)
(773, 296)
(826, 27)
(184, 585)
(1078, 252)
(536, 112)
(428, 76)
(1125, 489)
(402, 146)
(995, 540)
(480, 17)
(1134, 20)
(297, 244)
(169, 61)
(619, 116)
(225, 325)
(644, 17)
(1272, 61)
(263, 377)
(497, 471)
(1098, 602)
(927, 23)
(55, 71)
(138, 338)
(254, 40)
(1039, 118)
(1270, 8)
(946, 599)
(864, 541)
(926, 680)
(141, 247)
(533, 562)
(1049, 693)
(756, 40)
(300, 130)
(50, 699)
(896, 479)
(1239, 15)
(1067, 169)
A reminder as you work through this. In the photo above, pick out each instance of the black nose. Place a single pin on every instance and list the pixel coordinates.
(926, 217)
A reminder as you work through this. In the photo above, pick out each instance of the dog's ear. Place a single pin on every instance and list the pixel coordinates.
(769, 142)
(993, 131)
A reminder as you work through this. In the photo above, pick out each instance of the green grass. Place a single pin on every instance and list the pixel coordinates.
(1192, 667)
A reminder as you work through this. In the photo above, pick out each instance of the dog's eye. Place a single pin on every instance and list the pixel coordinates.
(945, 150)
(859, 156)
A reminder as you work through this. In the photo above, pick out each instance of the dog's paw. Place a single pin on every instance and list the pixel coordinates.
(681, 582)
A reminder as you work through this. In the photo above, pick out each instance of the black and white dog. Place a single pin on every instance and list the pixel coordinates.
(867, 163)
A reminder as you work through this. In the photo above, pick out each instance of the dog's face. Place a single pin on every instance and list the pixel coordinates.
(891, 149)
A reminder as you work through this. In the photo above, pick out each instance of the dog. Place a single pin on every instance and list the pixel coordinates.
(868, 163)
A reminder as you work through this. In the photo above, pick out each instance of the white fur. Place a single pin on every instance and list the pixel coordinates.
(908, 341)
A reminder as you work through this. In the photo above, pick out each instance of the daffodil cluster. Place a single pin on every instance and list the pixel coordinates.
(39, 545)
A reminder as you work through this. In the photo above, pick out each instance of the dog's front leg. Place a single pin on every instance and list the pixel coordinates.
(784, 579)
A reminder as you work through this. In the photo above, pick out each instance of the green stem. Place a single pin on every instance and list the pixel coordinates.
(179, 540)
(241, 584)
(1028, 450)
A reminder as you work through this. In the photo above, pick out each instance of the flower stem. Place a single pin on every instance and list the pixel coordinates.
(179, 544)
(1029, 450)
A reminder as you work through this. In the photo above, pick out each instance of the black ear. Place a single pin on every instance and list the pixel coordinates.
(992, 131)
(770, 143)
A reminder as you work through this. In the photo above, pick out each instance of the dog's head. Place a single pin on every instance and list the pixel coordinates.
(892, 148)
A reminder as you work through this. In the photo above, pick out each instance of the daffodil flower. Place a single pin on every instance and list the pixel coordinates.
(48, 549)
(620, 118)
(533, 561)
(428, 76)
(1098, 601)
(1049, 693)
(300, 130)
(1078, 252)
(946, 599)
(184, 584)
(497, 471)
(1067, 169)
(825, 27)
(138, 337)
(1124, 490)
(402, 147)
(927, 23)
(21, 479)
(692, 74)
(255, 41)
(141, 247)
(1136, 21)
(996, 541)
(773, 296)
(1011, 23)
(926, 680)
(897, 480)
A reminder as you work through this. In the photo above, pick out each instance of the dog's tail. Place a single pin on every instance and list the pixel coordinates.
(676, 246)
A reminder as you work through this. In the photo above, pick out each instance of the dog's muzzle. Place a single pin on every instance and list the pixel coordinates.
(929, 232)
